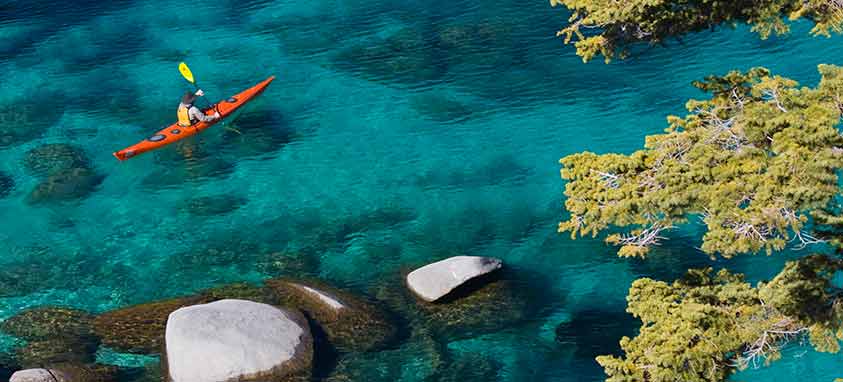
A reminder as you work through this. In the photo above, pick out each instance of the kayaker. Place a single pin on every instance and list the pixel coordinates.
(190, 114)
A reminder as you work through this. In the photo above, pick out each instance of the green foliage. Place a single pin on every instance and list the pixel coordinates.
(753, 161)
(604, 27)
(706, 325)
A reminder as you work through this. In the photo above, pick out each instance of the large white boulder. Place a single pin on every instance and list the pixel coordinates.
(234, 340)
(434, 281)
(39, 375)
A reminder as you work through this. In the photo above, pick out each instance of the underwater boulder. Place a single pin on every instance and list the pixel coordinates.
(89, 372)
(239, 291)
(73, 184)
(406, 56)
(485, 305)
(140, 328)
(480, 46)
(44, 323)
(211, 205)
(237, 340)
(54, 158)
(434, 281)
(187, 161)
(150, 372)
(470, 367)
(7, 184)
(418, 359)
(64, 350)
(303, 262)
(440, 107)
(26, 121)
(349, 322)
(257, 132)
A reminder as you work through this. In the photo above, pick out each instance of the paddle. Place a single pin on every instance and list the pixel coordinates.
(188, 75)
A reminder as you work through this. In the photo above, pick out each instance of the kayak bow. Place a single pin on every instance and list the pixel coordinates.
(175, 133)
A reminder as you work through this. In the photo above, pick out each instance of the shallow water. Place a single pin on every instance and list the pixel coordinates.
(397, 133)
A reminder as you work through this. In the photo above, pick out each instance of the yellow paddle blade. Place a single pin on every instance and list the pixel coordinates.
(185, 71)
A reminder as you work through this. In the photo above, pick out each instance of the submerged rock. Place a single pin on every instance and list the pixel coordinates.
(239, 291)
(434, 281)
(150, 372)
(406, 56)
(54, 158)
(257, 133)
(25, 121)
(488, 305)
(65, 350)
(349, 322)
(44, 323)
(187, 162)
(212, 205)
(7, 184)
(304, 262)
(53, 335)
(470, 367)
(90, 373)
(238, 340)
(440, 107)
(419, 359)
(139, 328)
(67, 185)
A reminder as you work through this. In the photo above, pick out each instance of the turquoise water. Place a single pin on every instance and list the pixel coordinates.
(397, 133)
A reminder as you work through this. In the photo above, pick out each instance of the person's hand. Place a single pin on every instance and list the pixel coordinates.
(200, 93)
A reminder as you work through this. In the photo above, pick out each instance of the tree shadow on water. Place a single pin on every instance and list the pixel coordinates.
(595, 331)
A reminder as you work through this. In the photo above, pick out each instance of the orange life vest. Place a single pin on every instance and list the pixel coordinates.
(184, 115)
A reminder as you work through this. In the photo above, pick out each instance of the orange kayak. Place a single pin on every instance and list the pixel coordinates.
(175, 133)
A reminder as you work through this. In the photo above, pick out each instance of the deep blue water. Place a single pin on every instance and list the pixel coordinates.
(397, 133)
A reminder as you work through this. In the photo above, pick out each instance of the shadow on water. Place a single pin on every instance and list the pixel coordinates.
(257, 133)
(7, 184)
(595, 332)
(188, 161)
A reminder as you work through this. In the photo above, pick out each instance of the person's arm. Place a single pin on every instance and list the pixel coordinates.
(198, 115)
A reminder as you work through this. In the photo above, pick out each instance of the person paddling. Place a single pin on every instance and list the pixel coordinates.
(190, 114)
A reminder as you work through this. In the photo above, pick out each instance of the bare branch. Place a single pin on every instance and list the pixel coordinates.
(773, 94)
(770, 341)
(805, 240)
(609, 179)
(645, 238)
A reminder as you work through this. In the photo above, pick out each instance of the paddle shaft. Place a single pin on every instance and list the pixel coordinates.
(196, 86)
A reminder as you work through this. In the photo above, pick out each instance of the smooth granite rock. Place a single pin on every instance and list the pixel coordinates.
(434, 281)
(236, 340)
(39, 375)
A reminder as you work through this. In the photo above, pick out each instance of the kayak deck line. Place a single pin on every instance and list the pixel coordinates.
(174, 133)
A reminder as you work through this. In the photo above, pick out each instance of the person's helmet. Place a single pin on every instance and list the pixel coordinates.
(188, 98)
